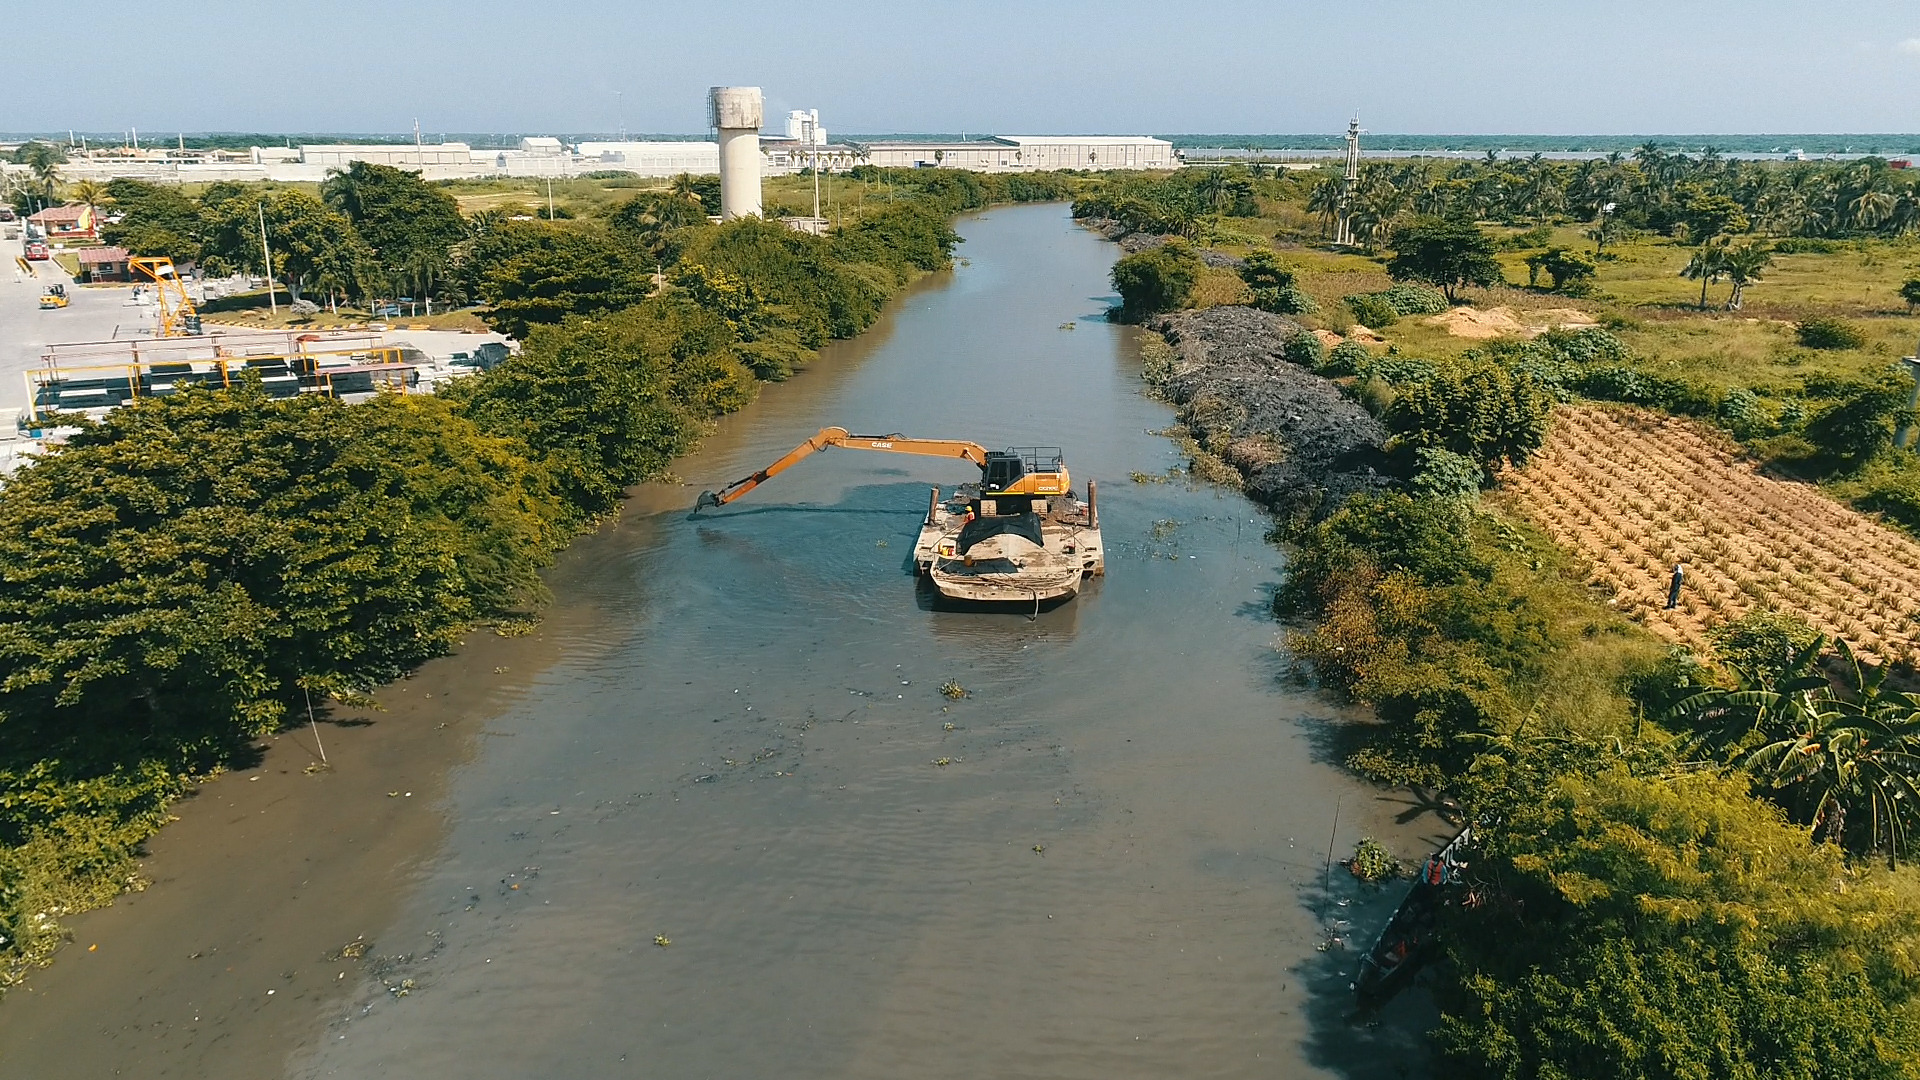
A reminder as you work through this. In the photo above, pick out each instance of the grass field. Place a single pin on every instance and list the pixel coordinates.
(1634, 492)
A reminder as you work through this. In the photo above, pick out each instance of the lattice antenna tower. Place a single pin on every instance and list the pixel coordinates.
(1343, 234)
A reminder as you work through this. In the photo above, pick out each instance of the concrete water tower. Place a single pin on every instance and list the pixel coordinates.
(735, 112)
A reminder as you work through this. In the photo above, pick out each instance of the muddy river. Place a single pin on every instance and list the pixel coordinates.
(717, 818)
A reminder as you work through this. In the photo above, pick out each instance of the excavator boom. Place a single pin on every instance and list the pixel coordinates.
(839, 436)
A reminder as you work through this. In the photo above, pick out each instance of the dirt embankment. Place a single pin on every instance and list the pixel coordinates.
(1302, 446)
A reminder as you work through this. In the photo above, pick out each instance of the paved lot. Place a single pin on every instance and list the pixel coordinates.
(106, 313)
(96, 314)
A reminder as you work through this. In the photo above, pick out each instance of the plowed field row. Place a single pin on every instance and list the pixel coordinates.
(1636, 492)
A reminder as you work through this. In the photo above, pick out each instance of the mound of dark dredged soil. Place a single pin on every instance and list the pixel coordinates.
(1131, 241)
(1302, 446)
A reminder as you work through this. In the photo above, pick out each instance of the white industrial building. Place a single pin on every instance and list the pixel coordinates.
(1026, 153)
(398, 155)
(651, 158)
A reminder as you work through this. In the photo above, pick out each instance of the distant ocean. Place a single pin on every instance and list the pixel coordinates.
(1813, 145)
(1312, 144)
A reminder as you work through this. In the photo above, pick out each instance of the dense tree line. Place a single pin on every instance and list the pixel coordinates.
(190, 571)
(1652, 189)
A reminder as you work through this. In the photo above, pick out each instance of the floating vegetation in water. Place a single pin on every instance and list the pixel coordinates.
(1162, 529)
(948, 726)
(1039, 849)
(943, 762)
(662, 940)
(1148, 478)
(1372, 862)
(516, 625)
(953, 689)
(879, 543)
(1066, 326)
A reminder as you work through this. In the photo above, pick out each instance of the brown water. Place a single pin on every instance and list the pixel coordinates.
(730, 735)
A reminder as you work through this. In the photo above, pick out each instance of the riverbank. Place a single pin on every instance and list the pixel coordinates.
(1301, 445)
(1611, 869)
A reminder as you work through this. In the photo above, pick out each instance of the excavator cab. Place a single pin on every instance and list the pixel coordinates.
(1003, 469)
(1024, 470)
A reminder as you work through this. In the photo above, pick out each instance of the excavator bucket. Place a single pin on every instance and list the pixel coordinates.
(707, 498)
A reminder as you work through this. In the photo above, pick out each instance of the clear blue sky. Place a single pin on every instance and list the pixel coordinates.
(1012, 66)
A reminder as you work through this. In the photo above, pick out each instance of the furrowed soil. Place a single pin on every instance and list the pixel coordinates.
(1635, 492)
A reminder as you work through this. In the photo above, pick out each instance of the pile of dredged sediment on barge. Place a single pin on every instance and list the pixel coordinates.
(1301, 445)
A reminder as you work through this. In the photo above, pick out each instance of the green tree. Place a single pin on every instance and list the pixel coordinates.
(649, 220)
(567, 272)
(1709, 215)
(1155, 280)
(1571, 272)
(605, 402)
(1448, 254)
(405, 222)
(154, 219)
(43, 159)
(182, 566)
(304, 235)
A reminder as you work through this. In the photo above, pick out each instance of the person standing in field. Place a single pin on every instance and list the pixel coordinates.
(1673, 588)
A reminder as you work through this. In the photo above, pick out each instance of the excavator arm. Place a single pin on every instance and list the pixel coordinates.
(839, 436)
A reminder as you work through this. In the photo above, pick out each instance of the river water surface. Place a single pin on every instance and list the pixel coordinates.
(724, 823)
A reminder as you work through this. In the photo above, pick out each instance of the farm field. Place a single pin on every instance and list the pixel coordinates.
(1634, 492)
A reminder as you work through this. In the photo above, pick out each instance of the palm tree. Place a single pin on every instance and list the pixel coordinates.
(1325, 200)
(91, 194)
(1744, 264)
(44, 160)
(1708, 265)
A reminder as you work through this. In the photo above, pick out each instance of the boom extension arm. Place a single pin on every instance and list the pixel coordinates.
(838, 436)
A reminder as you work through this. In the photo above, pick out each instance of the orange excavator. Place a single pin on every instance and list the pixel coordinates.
(1019, 536)
(1012, 471)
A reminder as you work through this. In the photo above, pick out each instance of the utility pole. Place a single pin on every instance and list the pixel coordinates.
(268, 252)
(1912, 364)
(549, 198)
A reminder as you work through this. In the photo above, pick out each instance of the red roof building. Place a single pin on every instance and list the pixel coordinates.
(74, 220)
(104, 264)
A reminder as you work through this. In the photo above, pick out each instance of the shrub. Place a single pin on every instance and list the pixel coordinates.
(1372, 310)
(1590, 345)
(1828, 333)
(1285, 300)
(1446, 476)
(1762, 642)
(1347, 358)
(1859, 423)
(1304, 348)
(1156, 280)
(1411, 298)
(1481, 412)
(1743, 414)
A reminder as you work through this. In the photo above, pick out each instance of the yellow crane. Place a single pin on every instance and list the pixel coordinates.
(1001, 472)
(178, 318)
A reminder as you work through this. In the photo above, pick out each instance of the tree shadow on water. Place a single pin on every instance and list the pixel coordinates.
(1354, 1041)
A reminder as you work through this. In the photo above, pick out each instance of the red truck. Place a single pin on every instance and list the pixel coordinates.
(37, 252)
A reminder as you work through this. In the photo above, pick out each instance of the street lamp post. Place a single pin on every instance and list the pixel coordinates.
(1912, 364)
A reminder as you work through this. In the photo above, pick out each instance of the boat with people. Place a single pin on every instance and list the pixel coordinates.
(1407, 940)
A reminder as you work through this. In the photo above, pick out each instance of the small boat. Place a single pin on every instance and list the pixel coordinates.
(1408, 939)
